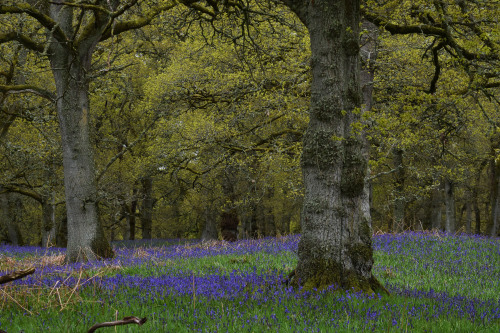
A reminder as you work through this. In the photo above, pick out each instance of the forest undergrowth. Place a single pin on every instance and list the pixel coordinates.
(438, 283)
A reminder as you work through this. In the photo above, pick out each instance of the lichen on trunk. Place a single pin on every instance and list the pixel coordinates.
(335, 247)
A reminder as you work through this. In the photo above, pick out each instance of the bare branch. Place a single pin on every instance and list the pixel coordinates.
(124, 26)
(124, 321)
(129, 147)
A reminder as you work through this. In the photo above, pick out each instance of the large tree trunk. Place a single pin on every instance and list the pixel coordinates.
(8, 219)
(336, 246)
(70, 68)
(210, 227)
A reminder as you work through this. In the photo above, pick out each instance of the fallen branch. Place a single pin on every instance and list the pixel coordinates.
(16, 275)
(124, 321)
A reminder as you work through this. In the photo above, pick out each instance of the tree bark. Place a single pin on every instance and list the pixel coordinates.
(449, 198)
(495, 208)
(436, 209)
(8, 219)
(147, 207)
(336, 246)
(399, 183)
(468, 215)
(268, 216)
(493, 225)
(129, 212)
(210, 227)
(70, 67)
(49, 226)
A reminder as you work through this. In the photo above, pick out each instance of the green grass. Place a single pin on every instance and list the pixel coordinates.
(463, 272)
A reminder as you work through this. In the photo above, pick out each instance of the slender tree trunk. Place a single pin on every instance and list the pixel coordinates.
(493, 225)
(269, 219)
(436, 208)
(468, 217)
(62, 232)
(336, 246)
(147, 207)
(129, 212)
(495, 209)
(70, 68)
(229, 219)
(399, 183)
(49, 225)
(449, 199)
(132, 216)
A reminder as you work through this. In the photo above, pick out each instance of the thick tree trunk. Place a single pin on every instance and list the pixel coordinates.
(210, 227)
(449, 199)
(336, 246)
(8, 219)
(147, 207)
(70, 68)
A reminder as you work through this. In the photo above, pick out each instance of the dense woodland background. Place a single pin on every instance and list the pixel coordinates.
(197, 126)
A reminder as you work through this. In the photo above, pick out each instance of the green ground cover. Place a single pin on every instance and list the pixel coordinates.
(438, 283)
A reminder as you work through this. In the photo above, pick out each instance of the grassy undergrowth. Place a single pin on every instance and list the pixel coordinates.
(438, 283)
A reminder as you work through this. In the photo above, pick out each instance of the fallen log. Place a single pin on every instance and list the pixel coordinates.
(124, 321)
(16, 275)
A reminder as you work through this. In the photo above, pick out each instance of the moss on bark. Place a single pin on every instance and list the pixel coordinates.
(328, 273)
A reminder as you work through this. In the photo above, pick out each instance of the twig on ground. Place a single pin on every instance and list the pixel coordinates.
(124, 321)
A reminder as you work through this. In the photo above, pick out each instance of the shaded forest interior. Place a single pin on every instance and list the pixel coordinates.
(197, 128)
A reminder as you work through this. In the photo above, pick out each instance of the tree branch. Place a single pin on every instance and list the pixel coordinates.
(395, 29)
(25, 88)
(16, 189)
(124, 321)
(24, 40)
(120, 27)
(95, 8)
(129, 147)
(43, 19)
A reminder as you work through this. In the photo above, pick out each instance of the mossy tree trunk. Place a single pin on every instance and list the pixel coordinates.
(71, 66)
(336, 243)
